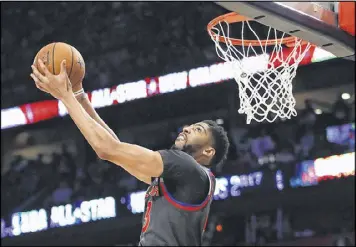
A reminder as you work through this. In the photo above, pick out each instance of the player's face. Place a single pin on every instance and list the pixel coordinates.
(195, 139)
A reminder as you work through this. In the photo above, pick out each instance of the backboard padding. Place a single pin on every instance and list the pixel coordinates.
(318, 28)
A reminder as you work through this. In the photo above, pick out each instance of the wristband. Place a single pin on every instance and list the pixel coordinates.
(79, 92)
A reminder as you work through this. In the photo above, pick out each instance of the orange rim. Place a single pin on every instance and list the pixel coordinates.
(233, 17)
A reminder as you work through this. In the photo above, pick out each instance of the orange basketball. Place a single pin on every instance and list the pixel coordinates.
(53, 54)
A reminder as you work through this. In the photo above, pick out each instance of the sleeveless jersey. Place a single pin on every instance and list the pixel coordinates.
(167, 222)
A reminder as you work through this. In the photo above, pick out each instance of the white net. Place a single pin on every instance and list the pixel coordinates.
(264, 78)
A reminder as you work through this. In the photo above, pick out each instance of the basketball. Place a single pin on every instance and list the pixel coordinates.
(53, 54)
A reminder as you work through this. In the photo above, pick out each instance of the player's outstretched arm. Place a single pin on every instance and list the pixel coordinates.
(108, 148)
(128, 156)
(103, 143)
(85, 103)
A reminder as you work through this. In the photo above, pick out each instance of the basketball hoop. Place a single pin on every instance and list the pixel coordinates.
(264, 79)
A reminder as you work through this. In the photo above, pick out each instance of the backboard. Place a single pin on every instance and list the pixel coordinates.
(328, 25)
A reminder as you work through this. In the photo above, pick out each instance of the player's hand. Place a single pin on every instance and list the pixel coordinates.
(58, 86)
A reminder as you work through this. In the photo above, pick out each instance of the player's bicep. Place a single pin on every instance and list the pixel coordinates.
(137, 174)
(139, 158)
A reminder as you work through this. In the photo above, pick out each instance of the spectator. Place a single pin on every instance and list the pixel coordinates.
(19, 163)
(306, 143)
(341, 111)
(64, 170)
(69, 161)
(262, 144)
(30, 180)
(246, 161)
(308, 116)
(62, 194)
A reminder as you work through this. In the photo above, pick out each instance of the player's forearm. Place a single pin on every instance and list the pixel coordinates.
(96, 135)
(85, 103)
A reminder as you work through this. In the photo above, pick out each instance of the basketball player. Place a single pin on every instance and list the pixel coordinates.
(181, 185)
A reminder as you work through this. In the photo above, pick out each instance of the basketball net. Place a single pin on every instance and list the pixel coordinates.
(264, 80)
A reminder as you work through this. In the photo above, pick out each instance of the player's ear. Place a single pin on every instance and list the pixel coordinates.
(209, 152)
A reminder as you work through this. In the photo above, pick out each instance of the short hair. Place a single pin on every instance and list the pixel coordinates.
(220, 142)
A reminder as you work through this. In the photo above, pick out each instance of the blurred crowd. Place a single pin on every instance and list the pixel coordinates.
(62, 179)
(33, 179)
(306, 137)
(140, 38)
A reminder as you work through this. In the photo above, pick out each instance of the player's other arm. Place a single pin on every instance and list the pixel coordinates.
(84, 101)
(138, 161)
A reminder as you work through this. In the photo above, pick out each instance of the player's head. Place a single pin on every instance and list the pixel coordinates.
(206, 141)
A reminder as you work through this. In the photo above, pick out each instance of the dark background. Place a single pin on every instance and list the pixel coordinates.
(127, 41)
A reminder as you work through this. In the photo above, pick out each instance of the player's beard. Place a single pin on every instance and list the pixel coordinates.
(188, 148)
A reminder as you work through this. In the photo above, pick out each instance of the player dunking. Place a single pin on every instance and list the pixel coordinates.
(181, 185)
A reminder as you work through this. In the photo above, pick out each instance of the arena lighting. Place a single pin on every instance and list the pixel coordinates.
(345, 96)
(216, 73)
(59, 216)
(219, 228)
(310, 173)
(335, 166)
(219, 121)
(318, 111)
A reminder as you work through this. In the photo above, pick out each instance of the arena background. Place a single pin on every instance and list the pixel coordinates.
(290, 182)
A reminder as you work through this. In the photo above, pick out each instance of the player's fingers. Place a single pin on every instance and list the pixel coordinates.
(34, 77)
(38, 85)
(63, 67)
(44, 68)
(39, 76)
